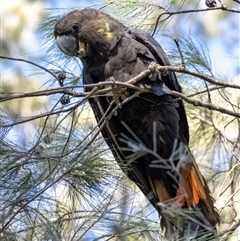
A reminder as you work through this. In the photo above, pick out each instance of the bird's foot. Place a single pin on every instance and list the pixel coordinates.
(154, 71)
(119, 93)
(153, 66)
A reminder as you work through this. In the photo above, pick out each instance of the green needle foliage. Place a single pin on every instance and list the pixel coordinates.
(58, 179)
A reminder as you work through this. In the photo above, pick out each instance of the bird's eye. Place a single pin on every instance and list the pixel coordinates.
(75, 27)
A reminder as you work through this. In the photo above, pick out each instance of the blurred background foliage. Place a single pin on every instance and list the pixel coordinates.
(56, 184)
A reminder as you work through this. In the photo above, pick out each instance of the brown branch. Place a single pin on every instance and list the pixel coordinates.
(98, 90)
(65, 90)
(197, 74)
(111, 83)
(206, 90)
(106, 117)
(61, 90)
(30, 62)
(46, 114)
(206, 105)
(180, 52)
(171, 13)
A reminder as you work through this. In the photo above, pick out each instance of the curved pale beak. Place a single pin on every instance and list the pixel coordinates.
(67, 44)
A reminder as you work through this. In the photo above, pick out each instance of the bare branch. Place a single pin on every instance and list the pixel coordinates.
(99, 90)
(180, 53)
(206, 105)
(30, 62)
(201, 76)
(206, 90)
(172, 13)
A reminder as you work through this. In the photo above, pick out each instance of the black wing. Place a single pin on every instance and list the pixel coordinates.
(158, 122)
(169, 80)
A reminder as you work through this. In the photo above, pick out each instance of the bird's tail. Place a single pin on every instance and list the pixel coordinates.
(184, 224)
(191, 215)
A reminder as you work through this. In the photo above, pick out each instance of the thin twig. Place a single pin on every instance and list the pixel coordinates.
(171, 13)
(29, 62)
(99, 90)
(180, 52)
(197, 74)
(206, 105)
(206, 90)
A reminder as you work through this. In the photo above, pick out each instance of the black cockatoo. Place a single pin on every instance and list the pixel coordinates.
(163, 168)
